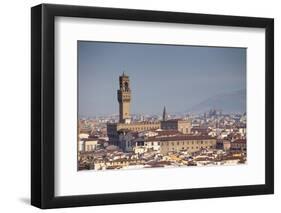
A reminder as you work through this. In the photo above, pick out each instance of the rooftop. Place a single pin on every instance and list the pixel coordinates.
(180, 137)
(239, 141)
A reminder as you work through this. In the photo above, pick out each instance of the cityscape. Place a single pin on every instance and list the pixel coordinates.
(126, 140)
(149, 141)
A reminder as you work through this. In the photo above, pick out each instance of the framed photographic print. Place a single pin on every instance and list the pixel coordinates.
(139, 106)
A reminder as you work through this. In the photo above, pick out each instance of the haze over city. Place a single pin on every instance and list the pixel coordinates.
(179, 77)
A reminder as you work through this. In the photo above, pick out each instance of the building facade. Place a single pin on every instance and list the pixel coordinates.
(114, 128)
(190, 144)
(89, 145)
(223, 144)
(239, 145)
(182, 126)
(164, 145)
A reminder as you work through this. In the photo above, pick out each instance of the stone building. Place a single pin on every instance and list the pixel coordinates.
(124, 100)
(113, 129)
(238, 145)
(189, 143)
(223, 144)
(183, 126)
(90, 144)
(175, 143)
(180, 125)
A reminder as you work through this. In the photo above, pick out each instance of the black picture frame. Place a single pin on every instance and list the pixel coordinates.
(43, 102)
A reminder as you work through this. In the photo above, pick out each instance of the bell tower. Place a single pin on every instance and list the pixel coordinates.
(124, 99)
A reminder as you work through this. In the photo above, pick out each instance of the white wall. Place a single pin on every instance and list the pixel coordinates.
(15, 104)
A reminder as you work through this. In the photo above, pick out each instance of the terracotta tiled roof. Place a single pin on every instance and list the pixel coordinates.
(176, 119)
(239, 141)
(169, 132)
(180, 137)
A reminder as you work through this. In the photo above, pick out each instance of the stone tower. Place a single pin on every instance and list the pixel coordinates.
(124, 99)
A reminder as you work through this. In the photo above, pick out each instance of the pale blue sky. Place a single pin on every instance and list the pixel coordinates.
(178, 77)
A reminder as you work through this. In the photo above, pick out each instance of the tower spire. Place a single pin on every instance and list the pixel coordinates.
(164, 118)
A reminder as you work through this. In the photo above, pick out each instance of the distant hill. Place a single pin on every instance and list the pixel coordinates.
(227, 102)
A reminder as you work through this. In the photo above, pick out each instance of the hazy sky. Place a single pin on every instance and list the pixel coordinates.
(178, 77)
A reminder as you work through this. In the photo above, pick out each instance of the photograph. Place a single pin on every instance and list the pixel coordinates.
(146, 105)
(133, 105)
